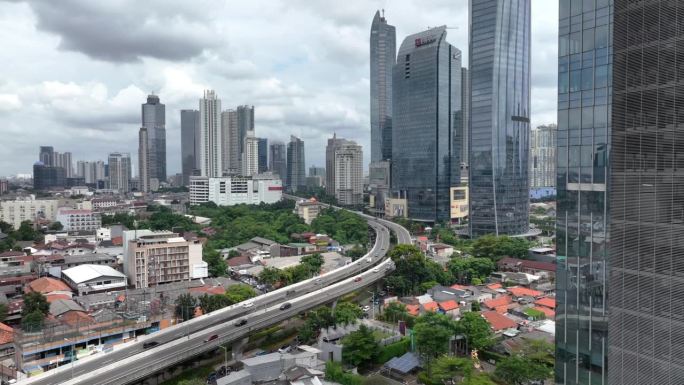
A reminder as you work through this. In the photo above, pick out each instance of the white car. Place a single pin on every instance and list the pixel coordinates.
(376, 270)
(366, 308)
(248, 304)
(369, 260)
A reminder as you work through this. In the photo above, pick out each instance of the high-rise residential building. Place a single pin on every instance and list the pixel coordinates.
(317, 171)
(143, 160)
(190, 144)
(119, 171)
(46, 155)
(91, 172)
(348, 165)
(28, 209)
(465, 115)
(245, 123)
(499, 116)
(382, 59)
(64, 161)
(543, 157)
(250, 155)
(619, 223)
(296, 175)
(154, 258)
(278, 159)
(232, 158)
(211, 151)
(154, 119)
(263, 154)
(333, 144)
(426, 124)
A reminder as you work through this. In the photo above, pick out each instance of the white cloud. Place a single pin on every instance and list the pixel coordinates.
(9, 102)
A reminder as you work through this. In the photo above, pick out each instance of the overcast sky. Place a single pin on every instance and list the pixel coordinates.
(74, 72)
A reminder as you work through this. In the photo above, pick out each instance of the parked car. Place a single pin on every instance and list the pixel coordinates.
(211, 338)
(150, 344)
(366, 308)
(241, 322)
(285, 349)
(248, 304)
(285, 306)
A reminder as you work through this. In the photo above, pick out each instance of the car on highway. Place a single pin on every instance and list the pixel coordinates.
(241, 322)
(285, 306)
(248, 304)
(369, 260)
(357, 279)
(376, 270)
(317, 281)
(211, 338)
(150, 344)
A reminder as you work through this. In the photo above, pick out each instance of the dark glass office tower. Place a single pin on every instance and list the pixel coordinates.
(296, 175)
(278, 159)
(499, 116)
(426, 126)
(245, 122)
(154, 119)
(262, 154)
(383, 47)
(583, 209)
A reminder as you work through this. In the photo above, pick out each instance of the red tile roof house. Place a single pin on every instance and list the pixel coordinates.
(500, 304)
(431, 306)
(546, 302)
(550, 314)
(499, 322)
(519, 292)
(413, 310)
(449, 308)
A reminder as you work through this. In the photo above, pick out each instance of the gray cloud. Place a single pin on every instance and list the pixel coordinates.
(125, 31)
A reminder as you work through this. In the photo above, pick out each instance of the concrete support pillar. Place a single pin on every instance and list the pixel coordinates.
(237, 348)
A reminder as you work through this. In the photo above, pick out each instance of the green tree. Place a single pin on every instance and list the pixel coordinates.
(539, 351)
(34, 302)
(56, 226)
(347, 313)
(432, 332)
(3, 311)
(355, 253)
(414, 269)
(5, 227)
(478, 379)
(185, 306)
(191, 381)
(26, 232)
(520, 370)
(449, 369)
(217, 266)
(314, 261)
(476, 329)
(360, 348)
(33, 321)
(396, 311)
(240, 292)
(495, 248)
(270, 275)
(308, 331)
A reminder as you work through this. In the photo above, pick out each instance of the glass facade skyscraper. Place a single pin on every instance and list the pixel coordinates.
(499, 116)
(383, 48)
(426, 132)
(190, 143)
(296, 172)
(278, 159)
(263, 154)
(583, 210)
(154, 119)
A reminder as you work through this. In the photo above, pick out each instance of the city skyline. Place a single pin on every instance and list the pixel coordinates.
(296, 93)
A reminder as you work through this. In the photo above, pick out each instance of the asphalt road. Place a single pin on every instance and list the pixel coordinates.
(181, 342)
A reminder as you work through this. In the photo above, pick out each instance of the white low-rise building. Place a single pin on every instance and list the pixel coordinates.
(87, 279)
(78, 220)
(152, 258)
(234, 190)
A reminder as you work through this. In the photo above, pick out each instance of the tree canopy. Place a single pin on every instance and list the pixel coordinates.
(347, 313)
(476, 329)
(495, 248)
(185, 306)
(34, 301)
(465, 270)
(240, 292)
(360, 348)
(413, 269)
(432, 332)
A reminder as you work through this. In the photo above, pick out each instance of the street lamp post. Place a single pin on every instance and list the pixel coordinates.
(225, 357)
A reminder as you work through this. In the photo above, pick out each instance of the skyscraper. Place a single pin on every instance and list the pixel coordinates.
(250, 156)
(154, 119)
(543, 157)
(348, 165)
(46, 155)
(143, 160)
(211, 160)
(499, 116)
(232, 158)
(278, 159)
(263, 154)
(382, 59)
(47, 177)
(583, 212)
(190, 143)
(333, 144)
(426, 93)
(245, 122)
(64, 161)
(296, 175)
(465, 114)
(119, 171)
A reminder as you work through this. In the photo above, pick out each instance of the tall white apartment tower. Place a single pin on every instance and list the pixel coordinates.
(211, 154)
(250, 155)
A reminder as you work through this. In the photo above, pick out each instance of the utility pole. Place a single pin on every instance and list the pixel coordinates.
(225, 359)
